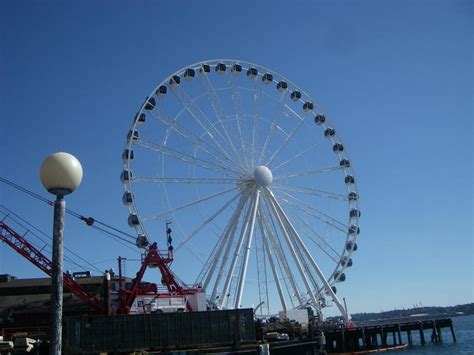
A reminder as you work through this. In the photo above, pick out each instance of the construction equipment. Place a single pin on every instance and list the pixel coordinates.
(192, 296)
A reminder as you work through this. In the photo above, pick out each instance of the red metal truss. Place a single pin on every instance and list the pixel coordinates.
(28, 251)
(153, 258)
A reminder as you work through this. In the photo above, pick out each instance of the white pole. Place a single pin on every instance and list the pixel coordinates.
(243, 272)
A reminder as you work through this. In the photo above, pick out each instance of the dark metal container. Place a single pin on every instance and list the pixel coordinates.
(159, 331)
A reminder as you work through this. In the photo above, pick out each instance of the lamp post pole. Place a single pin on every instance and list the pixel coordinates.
(57, 277)
(61, 174)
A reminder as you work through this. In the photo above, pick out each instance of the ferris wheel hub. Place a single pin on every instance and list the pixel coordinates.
(263, 176)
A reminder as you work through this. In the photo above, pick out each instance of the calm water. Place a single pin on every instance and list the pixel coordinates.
(464, 330)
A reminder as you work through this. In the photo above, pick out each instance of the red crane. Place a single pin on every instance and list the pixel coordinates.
(24, 248)
(153, 258)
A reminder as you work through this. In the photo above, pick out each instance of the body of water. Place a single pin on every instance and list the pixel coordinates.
(464, 330)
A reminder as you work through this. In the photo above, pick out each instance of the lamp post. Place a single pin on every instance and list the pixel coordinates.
(61, 174)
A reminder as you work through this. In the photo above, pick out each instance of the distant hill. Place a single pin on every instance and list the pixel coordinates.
(462, 309)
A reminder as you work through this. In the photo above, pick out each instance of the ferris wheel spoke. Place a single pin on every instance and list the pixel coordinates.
(206, 222)
(275, 122)
(220, 114)
(287, 139)
(311, 211)
(257, 114)
(306, 190)
(286, 234)
(237, 100)
(200, 117)
(296, 156)
(309, 172)
(175, 209)
(187, 158)
(170, 180)
(320, 242)
(209, 149)
(316, 288)
(298, 241)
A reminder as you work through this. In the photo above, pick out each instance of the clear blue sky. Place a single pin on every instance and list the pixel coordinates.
(396, 77)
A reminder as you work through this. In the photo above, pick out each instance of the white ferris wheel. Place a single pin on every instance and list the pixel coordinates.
(256, 180)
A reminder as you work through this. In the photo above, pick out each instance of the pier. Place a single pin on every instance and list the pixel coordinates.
(387, 335)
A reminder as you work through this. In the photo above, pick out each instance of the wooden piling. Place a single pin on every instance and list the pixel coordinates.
(383, 338)
(410, 339)
(363, 338)
(343, 341)
(422, 335)
(452, 331)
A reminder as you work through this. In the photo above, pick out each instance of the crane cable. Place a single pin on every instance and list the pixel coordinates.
(88, 220)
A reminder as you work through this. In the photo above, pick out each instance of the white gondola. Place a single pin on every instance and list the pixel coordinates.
(236, 69)
(282, 86)
(133, 220)
(140, 118)
(127, 198)
(308, 106)
(128, 154)
(267, 78)
(252, 73)
(205, 69)
(220, 68)
(295, 95)
(161, 91)
(174, 81)
(189, 74)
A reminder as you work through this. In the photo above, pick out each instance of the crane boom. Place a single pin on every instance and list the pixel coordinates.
(28, 251)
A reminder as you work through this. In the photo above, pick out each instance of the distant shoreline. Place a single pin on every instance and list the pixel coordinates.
(418, 312)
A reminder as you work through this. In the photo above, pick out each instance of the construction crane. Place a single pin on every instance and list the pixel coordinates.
(28, 251)
(152, 258)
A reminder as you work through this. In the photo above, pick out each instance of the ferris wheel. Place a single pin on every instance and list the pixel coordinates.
(256, 180)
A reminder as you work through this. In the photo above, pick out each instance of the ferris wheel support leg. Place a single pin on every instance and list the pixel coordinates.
(298, 240)
(243, 272)
(235, 257)
(230, 238)
(292, 250)
(272, 266)
(282, 261)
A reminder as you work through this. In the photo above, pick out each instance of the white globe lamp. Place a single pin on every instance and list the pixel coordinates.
(61, 173)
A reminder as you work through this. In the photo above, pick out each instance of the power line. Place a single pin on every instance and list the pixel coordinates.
(10, 212)
(88, 220)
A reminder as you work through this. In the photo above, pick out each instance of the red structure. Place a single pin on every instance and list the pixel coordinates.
(153, 258)
(28, 251)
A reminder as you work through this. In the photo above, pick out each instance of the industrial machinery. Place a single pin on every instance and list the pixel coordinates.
(176, 297)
